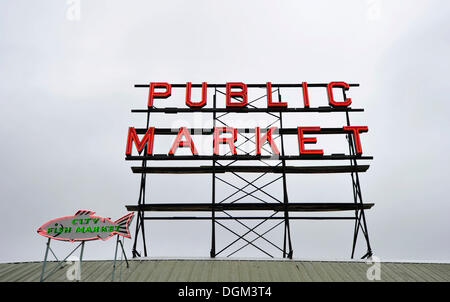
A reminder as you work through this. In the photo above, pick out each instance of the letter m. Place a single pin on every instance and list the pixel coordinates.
(140, 144)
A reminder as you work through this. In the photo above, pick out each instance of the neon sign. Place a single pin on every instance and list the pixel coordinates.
(236, 101)
(84, 226)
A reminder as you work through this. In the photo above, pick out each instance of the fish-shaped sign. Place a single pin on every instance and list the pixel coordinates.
(85, 226)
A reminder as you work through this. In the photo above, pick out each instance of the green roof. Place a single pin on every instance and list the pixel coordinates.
(229, 270)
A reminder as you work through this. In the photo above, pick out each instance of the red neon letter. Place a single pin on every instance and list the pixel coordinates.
(267, 137)
(152, 94)
(188, 96)
(356, 130)
(148, 137)
(307, 140)
(183, 143)
(242, 94)
(269, 98)
(305, 94)
(331, 100)
(224, 140)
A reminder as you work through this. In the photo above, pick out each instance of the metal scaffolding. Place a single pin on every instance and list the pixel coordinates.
(222, 210)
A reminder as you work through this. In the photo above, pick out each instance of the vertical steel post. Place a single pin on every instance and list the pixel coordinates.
(287, 232)
(359, 214)
(81, 258)
(115, 257)
(45, 260)
(213, 201)
(141, 201)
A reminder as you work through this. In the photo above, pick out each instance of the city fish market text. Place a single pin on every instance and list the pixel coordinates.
(85, 226)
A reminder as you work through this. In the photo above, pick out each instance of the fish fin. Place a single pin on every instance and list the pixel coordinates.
(84, 213)
(123, 223)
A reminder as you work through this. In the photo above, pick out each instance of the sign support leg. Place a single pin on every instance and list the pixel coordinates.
(81, 259)
(287, 230)
(45, 260)
(140, 215)
(115, 257)
(123, 252)
(212, 252)
(357, 197)
(119, 242)
(59, 263)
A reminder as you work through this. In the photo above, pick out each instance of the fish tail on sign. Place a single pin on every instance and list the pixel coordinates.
(123, 224)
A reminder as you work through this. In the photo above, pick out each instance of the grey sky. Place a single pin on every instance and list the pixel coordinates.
(66, 90)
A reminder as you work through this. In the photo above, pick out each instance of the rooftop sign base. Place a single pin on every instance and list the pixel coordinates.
(81, 227)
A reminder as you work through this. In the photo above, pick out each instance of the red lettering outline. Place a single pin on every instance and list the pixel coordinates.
(152, 94)
(180, 143)
(267, 137)
(148, 137)
(188, 96)
(331, 100)
(307, 140)
(224, 140)
(242, 94)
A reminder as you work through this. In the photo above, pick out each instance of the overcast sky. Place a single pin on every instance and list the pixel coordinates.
(66, 90)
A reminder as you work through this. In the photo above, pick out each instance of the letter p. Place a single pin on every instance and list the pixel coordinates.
(152, 94)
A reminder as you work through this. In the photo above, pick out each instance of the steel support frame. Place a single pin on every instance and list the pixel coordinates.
(119, 242)
(287, 244)
(61, 263)
(360, 217)
(286, 250)
(140, 227)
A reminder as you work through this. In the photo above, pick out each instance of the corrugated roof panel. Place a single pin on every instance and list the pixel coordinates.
(310, 271)
(388, 274)
(197, 270)
(436, 271)
(228, 270)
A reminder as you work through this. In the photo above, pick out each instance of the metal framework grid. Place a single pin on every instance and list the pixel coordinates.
(219, 167)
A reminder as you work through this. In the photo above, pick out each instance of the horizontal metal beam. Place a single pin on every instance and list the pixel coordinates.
(251, 169)
(246, 218)
(210, 131)
(290, 207)
(261, 85)
(247, 110)
(247, 157)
